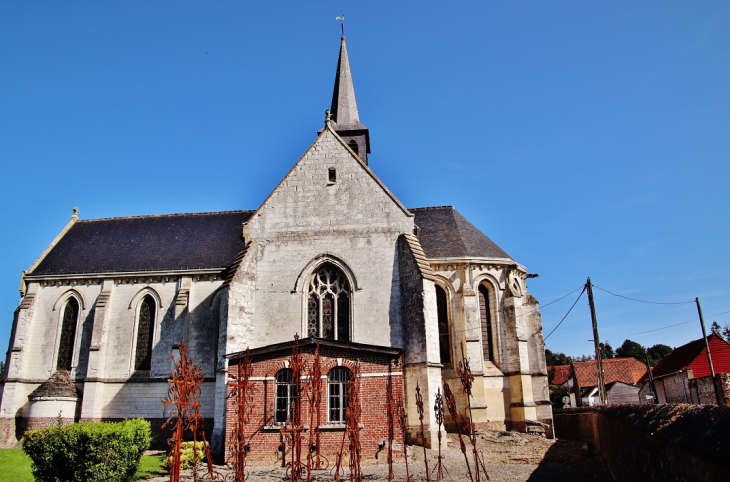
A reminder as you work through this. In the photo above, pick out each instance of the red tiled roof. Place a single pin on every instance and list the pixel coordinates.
(693, 356)
(562, 373)
(626, 370)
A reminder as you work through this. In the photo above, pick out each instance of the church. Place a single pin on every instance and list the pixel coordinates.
(330, 259)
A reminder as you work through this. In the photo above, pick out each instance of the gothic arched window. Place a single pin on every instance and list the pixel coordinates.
(442, 310)
(337, 382)
(68, 334)
(285, 395)
(328, 304)
(145, 331)
(485, 317)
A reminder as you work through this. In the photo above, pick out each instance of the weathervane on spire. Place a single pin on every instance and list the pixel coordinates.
(341, 18)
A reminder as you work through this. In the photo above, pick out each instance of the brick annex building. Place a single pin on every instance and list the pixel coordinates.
(331, 255)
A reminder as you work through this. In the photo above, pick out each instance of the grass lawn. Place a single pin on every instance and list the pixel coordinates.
(15, 466)
(150, 465)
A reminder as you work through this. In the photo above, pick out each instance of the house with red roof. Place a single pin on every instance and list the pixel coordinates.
(683, 376)
(620, 375)
(562, 374)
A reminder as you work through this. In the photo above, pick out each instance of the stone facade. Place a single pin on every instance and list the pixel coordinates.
(330, 211)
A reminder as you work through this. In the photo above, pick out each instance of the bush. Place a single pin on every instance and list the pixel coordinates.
(108, 452)
(186, 456)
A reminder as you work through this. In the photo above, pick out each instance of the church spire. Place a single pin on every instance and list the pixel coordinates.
(345, 117)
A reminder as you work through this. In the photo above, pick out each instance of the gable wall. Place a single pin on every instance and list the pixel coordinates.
(353, 219)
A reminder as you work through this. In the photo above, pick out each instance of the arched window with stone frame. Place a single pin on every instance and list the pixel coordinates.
(442, 311)
(285, 396)
(328, 304)
(145, 332)
(338, 381)
(68, 334)
(486, 323)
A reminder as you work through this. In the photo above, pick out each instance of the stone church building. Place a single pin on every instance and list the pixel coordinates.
(331, 255)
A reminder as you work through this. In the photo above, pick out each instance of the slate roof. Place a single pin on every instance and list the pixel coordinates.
(447, 234)
(59, 385)
(213, 240)
(147, 243)
(626, 370)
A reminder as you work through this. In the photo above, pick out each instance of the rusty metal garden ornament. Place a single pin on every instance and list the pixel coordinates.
(293, 428)
(401, 411)
(182, 411)
(314, 458)
(419, 406)
(451, 405)
(467, 380)
(438, 408)
(242, 391)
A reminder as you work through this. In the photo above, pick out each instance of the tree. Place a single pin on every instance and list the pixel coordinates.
(629, 349)
(726, 332)
(607, 351)
(657, 352)
(552, 359)
(715, 328)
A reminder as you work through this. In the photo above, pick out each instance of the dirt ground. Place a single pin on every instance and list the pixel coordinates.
(508, 457)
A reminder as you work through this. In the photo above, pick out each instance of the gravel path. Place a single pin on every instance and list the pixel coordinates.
(508, 457)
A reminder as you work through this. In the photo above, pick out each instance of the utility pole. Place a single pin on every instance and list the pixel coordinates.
(596, 342)
(651, 378)
(718, 396)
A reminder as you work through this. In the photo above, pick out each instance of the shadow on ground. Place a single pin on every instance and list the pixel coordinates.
(571, 460)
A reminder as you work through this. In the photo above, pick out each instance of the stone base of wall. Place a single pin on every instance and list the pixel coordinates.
(44, 422)
(8, 433)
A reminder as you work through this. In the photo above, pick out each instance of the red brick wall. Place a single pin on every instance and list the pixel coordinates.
(265, 443)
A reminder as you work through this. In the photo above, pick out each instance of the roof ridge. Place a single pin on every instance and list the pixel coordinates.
(202, 213)
(431, 207)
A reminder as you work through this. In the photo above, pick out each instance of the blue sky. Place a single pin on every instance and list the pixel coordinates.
(585, 138)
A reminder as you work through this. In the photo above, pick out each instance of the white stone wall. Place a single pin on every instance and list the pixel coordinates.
(306, 220)
(105, 340)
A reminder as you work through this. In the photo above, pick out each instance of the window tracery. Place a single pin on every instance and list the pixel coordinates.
(328, 305)
(485, 316)
(145, 331)
(68, 335)
(442, 311)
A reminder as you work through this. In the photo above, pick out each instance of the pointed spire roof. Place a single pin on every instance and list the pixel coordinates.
(344, 106)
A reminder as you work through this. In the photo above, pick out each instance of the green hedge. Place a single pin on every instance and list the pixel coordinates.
(187, 455)
(108, 452)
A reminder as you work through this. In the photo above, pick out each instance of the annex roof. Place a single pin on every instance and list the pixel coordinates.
(444, 233)
(59, 385)
(626, 370)
(147, 243)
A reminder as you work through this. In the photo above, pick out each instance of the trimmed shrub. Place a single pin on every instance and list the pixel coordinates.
(186, 455)
(108, 452)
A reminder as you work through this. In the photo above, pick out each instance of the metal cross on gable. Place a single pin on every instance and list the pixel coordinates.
(341, 18)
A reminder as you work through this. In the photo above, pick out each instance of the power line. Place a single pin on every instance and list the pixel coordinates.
(503, 310)
(644, 301)
(669, 326)
(566, 315)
